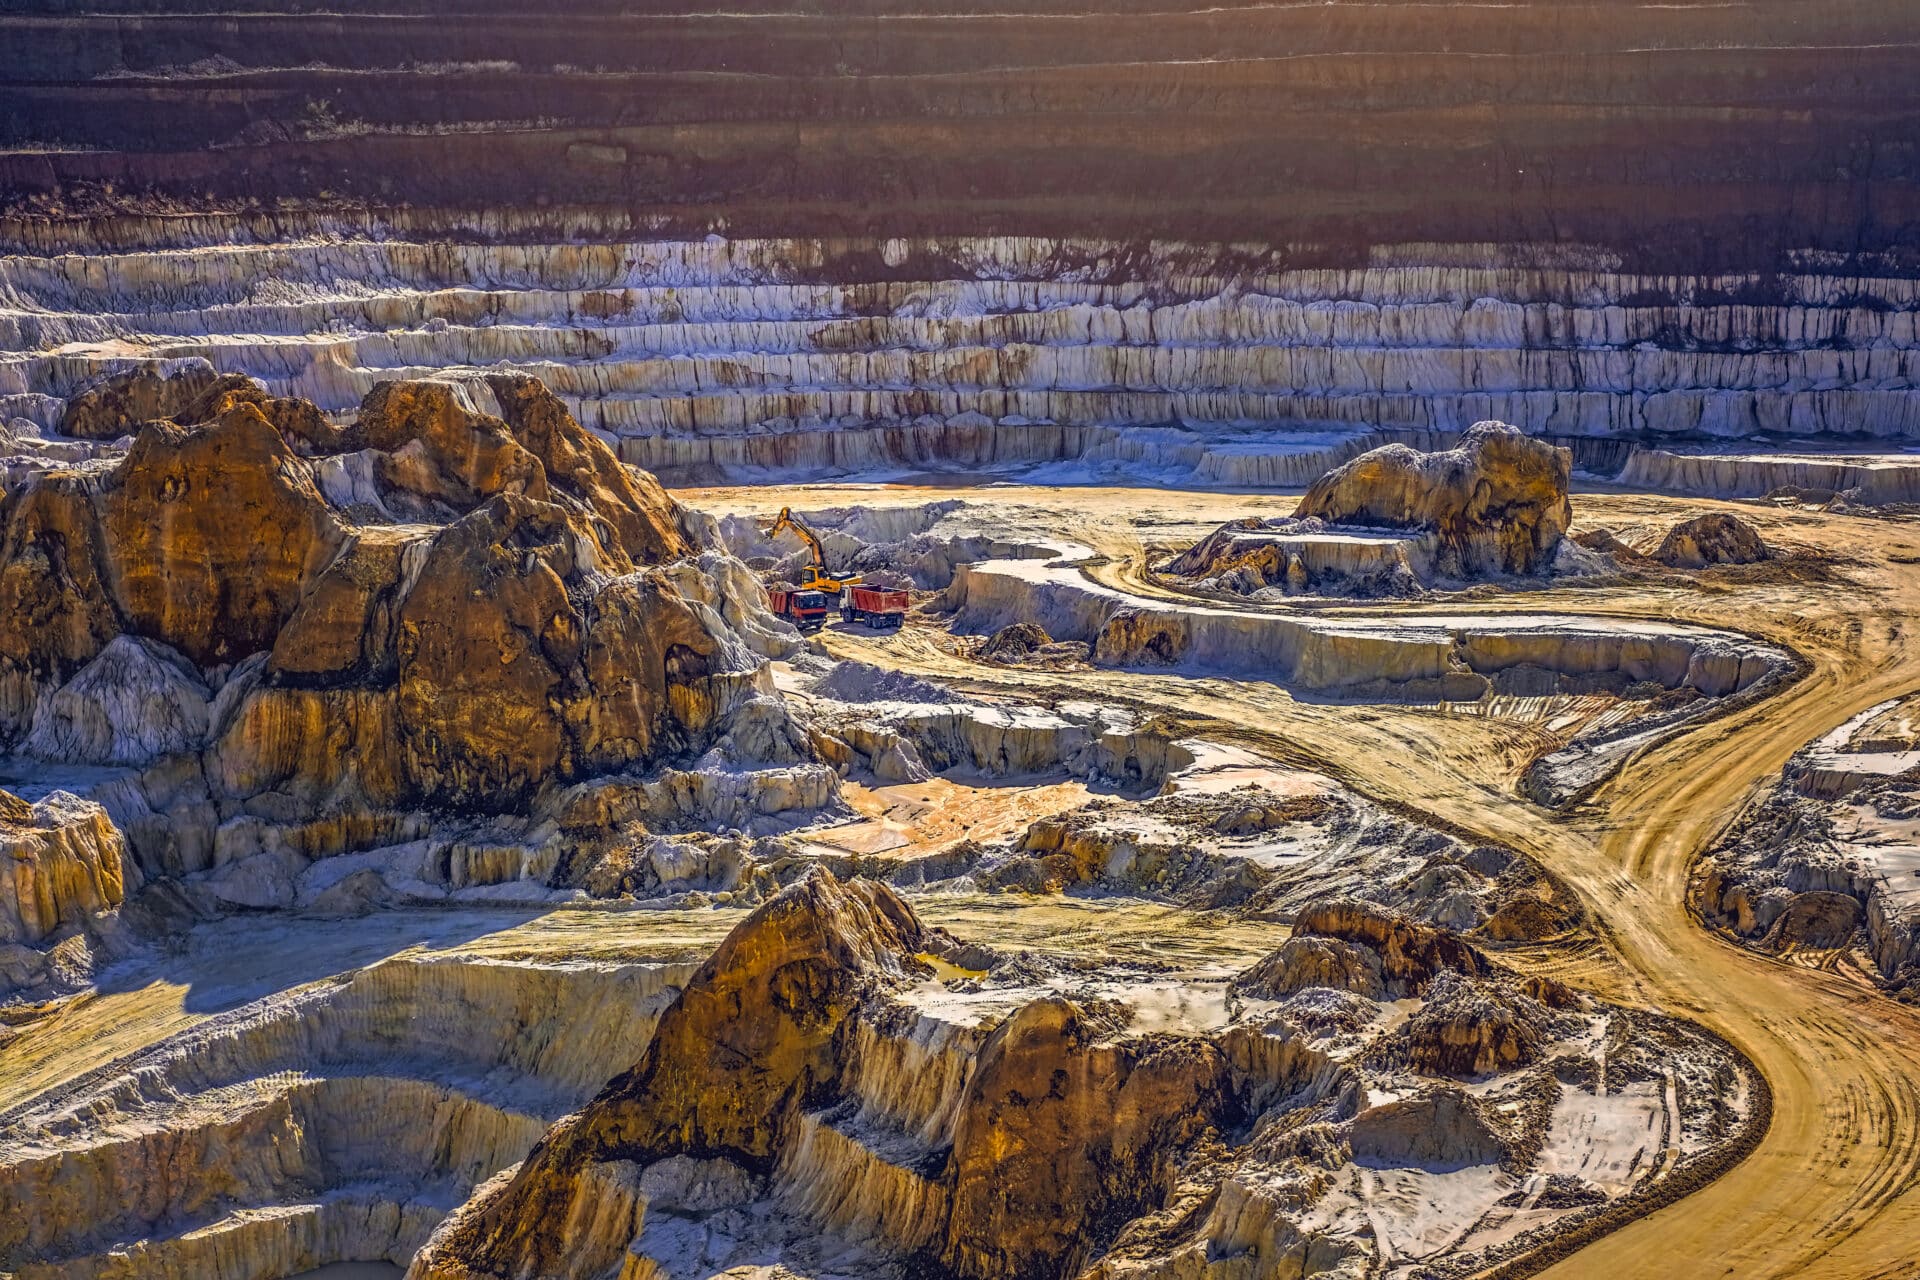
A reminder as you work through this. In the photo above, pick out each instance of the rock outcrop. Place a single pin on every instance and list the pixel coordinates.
(1062, 1132)
(1468, 1028)
(1497, 503)
(1064, 1127)
(1710, 539)
(1411, 954)
(302, 639)
(135, 703)
(117, 406)
(63, 862)
(749, 1042)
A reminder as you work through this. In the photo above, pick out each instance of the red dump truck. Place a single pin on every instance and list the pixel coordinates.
(873, 606)
(805, 609)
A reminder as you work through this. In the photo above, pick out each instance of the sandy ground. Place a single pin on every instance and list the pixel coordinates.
(1834, 1189)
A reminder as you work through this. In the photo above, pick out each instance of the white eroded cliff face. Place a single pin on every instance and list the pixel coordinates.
(337, 1122)
(824, 356)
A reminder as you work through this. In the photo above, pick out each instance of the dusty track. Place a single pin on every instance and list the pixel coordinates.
(1834, 1187)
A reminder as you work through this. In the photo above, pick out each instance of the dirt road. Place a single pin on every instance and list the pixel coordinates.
(1834, 1188)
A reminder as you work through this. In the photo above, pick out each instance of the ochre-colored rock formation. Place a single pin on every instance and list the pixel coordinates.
(1497, 503)
(61, 861)
(749, 1042)
(440, 606)
(1066, 1128)
(1411, 953)
(1062, 1130)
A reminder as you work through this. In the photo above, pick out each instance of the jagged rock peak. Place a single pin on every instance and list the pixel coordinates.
(1497, 502)
(1411, 953)
(507, 433)
(748, 1043)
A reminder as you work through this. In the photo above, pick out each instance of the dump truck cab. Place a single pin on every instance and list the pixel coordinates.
(803, 606)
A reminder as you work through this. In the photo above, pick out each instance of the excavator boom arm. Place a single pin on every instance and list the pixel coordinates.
(821, 579)
(788, 520)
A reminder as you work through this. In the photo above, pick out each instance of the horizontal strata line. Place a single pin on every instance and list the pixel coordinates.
(345, 232)
(232, 277)
(1649, 335)
(185, 1109)
(1121, 367)
(1809, 330)
(530, 311)
(234, 1219)
(190, 80)
(337, 388)
(1425, 64)
(1514, 14)
(662, 305)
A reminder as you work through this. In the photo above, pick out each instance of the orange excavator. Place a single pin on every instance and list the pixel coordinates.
(807, 605)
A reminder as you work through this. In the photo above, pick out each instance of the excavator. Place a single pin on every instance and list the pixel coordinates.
(807, 605)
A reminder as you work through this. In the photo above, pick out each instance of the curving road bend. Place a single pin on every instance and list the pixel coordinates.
(1833, 1190)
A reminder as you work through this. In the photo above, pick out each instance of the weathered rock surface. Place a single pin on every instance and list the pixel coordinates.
(749, 1042)
(1465, 1028)
(63, 862)
(816, 357)
(1061, 1128)
(281, 641)
(1062, 1131)
(135, 703)
(1826, 860)
(1497, 503)
(118, 406)
(1411, 954)
(1710, 539)
(1438, 1129)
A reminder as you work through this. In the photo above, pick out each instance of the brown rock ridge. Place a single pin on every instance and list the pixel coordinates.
(442, 606)
(1064, 1132)
(1497, 503)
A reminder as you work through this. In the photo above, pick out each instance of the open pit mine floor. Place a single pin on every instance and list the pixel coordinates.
(1834, 1186)
(331, 1095)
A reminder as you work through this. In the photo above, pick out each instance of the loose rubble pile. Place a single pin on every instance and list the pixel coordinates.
(1830, 859)
(1714, 538)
